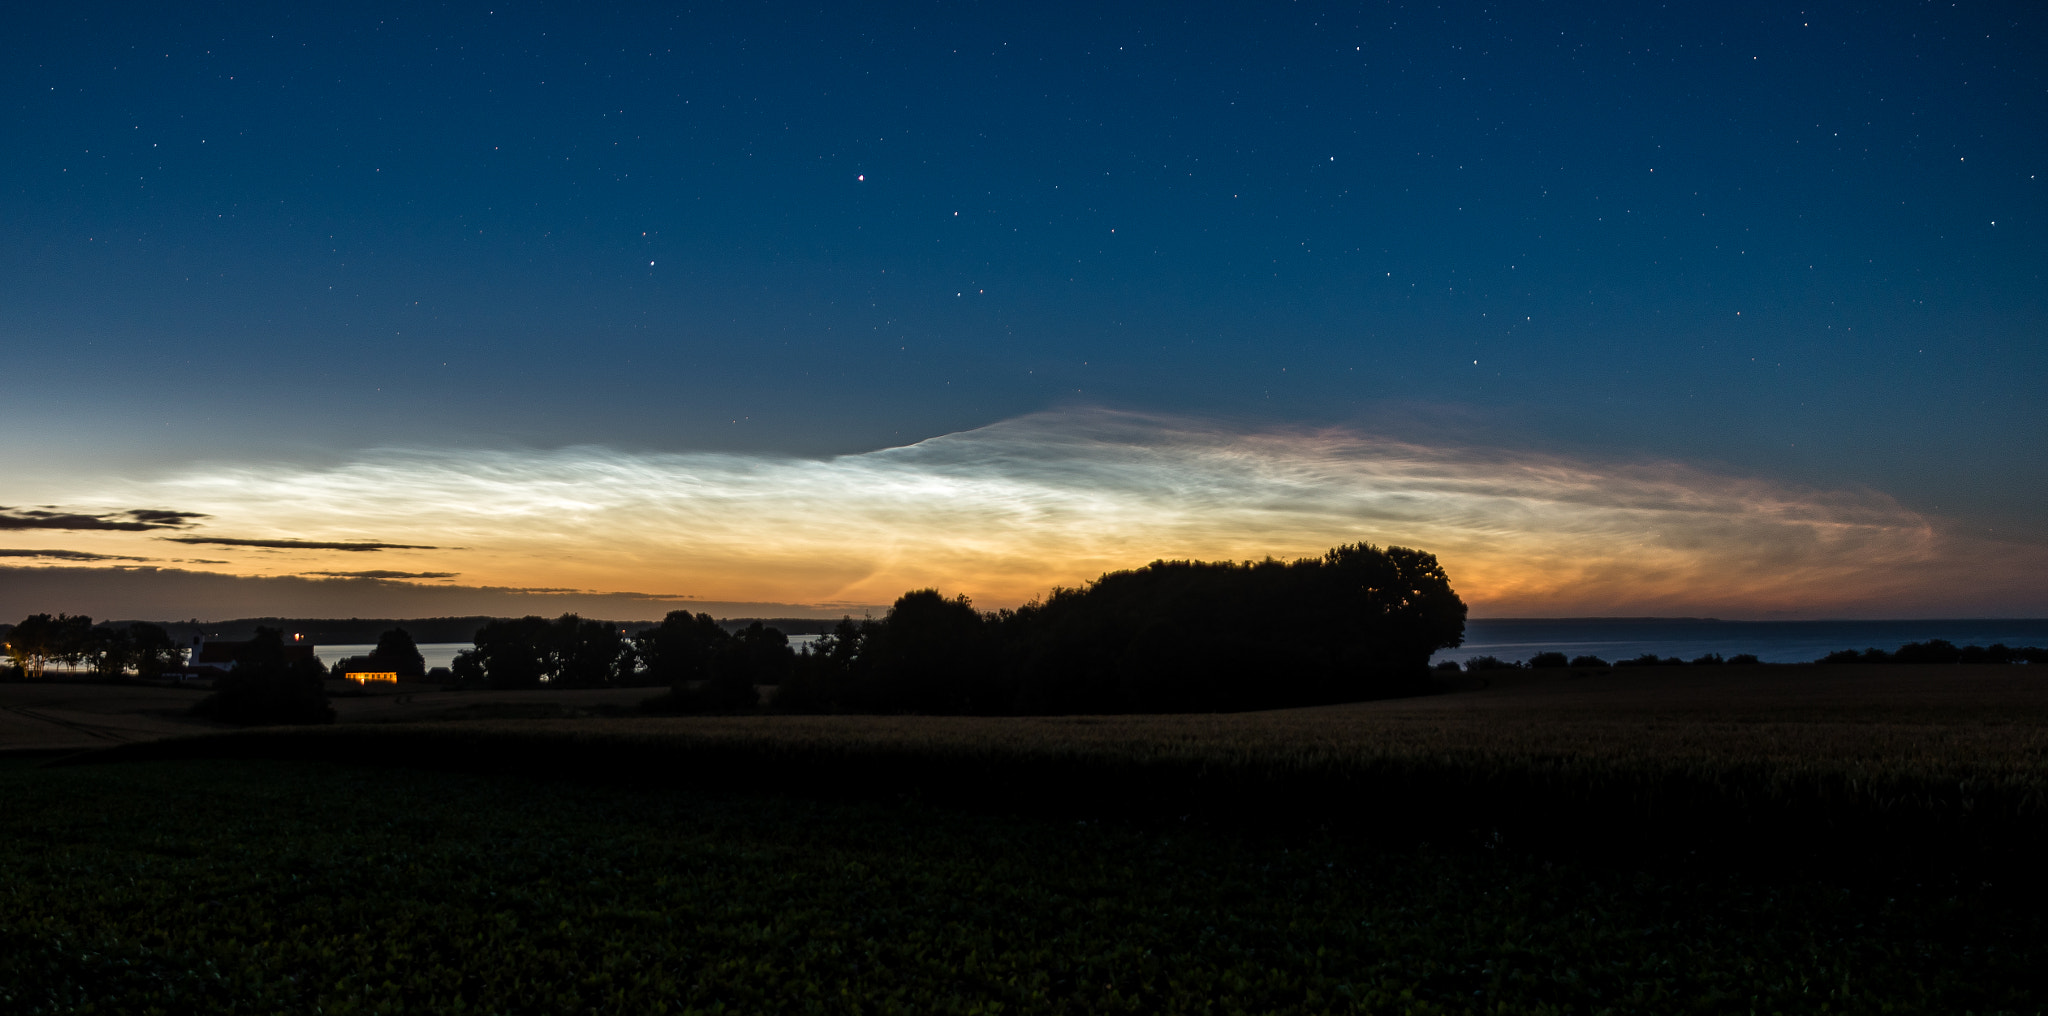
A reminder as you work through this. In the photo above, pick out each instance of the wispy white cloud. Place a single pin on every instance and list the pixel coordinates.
(1006, 511)
(172, 594)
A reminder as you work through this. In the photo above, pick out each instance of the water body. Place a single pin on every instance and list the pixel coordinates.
(437, 654)
(442, 654)
(1621, 638)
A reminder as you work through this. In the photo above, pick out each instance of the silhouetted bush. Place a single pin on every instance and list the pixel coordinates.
(1942, 651)
(1651, 660)
(1708, 660)
(1447, 666)
(468, 669)
(1588, 661)
(1549, 660)
(1996, 653)
(1478, 663)
(1743, 660)
(1930, 651)
(266, 687)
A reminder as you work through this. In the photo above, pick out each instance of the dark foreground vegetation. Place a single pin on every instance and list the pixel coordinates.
(269, 685)
(1922, 769)
(1942, 651)
(263, 886)
(1936, 651)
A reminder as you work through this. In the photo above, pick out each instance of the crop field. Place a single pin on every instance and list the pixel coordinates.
(262, 886)
(1774, 839)
(1814, 761)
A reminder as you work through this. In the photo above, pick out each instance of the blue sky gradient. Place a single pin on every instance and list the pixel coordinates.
(1800, 245)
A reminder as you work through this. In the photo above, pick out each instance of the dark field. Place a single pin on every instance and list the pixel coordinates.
(1840, 765)
(300, 887)
(1793, 839)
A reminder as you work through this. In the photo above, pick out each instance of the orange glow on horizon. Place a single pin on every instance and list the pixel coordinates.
(1007, 512)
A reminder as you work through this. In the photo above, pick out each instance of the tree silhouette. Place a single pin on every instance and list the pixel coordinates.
(108, 650)
(755, 655)
(1358, 622)
(1930, 651)
(512, 653)
(679, 651)
(266, 686)
(822, 673)
(1650, 660)
(708, 669)
(929, 655)
(396, 650)
(582, 653)
(41, 639)
(154, 650)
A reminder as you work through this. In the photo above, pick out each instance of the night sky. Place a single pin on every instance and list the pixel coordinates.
(1727, 308)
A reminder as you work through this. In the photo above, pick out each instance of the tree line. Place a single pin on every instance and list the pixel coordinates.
(74, 641)
(1174, 636)
(1941, 651)
(1357, 622)
(1542, 661)
(1930, 651)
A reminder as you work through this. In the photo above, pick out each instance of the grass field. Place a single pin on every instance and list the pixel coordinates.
(265, 886)
(1806, 839)
(1831, 765)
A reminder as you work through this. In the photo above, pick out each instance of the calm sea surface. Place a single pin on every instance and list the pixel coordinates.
(437, 654)
(1772, 641)
(1612, 638)
(442, 654)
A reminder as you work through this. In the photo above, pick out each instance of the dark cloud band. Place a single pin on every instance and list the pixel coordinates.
(228, 541)
(67, 555)
(133, 520)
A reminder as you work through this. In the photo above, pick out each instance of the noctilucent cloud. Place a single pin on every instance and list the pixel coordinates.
(1735, 309)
